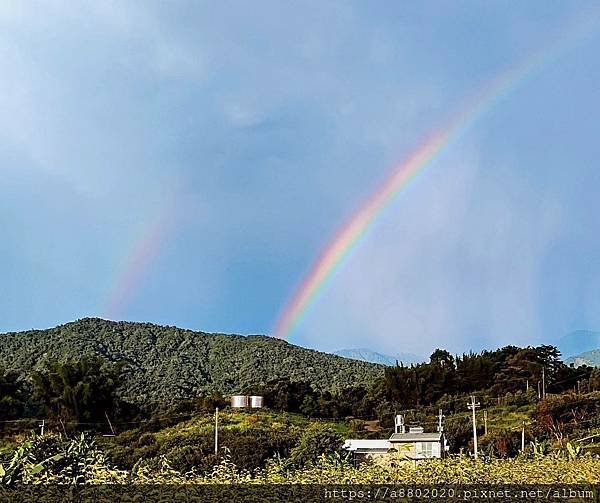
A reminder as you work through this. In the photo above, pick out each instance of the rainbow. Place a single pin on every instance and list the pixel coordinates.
(139, 259)
(346, 239)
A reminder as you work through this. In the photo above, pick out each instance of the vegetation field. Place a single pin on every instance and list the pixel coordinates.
(137, 403)
(80, 460)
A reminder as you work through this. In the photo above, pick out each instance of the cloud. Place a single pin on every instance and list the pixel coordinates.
(270, 124)
(78, 92)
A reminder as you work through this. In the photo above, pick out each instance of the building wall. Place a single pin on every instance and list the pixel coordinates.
(404, 450)
(376, 458)
(409, 450)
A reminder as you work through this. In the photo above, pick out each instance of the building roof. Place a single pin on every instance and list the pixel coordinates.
(416, 437)
(367, 445)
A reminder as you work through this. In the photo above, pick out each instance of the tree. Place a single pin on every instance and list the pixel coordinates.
(79, 390)
(595, 380)
(12, 395)
(442, 358)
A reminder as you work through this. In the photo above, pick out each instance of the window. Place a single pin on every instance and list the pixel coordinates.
(424, 449)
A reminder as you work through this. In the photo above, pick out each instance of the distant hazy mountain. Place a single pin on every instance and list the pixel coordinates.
(366, 355)
(578, 342)
(591, 358)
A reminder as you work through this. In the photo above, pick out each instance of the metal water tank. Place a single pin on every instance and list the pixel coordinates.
(257, 402)
(239, 401)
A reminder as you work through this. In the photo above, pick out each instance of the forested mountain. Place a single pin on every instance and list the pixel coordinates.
(168, 363)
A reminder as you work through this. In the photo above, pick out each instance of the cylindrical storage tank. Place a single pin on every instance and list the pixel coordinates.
(257, 402)
(239, 401)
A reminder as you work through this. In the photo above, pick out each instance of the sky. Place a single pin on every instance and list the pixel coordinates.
(185, 162)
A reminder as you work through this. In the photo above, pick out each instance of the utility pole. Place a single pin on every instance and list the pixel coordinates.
(440, 428)
(527, 386)
(216, 430)
(544, 383)
(472, 407)
(63, 427)
(109, 424)
(523, 438)
(539, 392)
(485, 422)
(42, 425)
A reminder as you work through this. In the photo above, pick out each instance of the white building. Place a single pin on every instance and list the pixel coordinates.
(416, 445)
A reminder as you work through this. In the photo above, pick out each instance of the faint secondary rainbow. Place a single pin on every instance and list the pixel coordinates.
(138, 261)
(350, 234)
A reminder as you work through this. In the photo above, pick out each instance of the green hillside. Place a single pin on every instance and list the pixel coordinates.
(168, 363)
(250, 438)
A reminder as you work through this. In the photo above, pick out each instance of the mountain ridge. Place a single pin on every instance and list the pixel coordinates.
(367, 355)
(166, 363)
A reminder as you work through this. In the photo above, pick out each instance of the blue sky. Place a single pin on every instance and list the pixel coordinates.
(255, 129)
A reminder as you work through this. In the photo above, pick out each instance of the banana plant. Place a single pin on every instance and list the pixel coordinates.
(573, 451)
(539, 449)
(23, 465)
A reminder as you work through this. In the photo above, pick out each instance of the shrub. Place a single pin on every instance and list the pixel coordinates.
(501, 443)
(146, 439)
(316, 441)
(187, 457)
